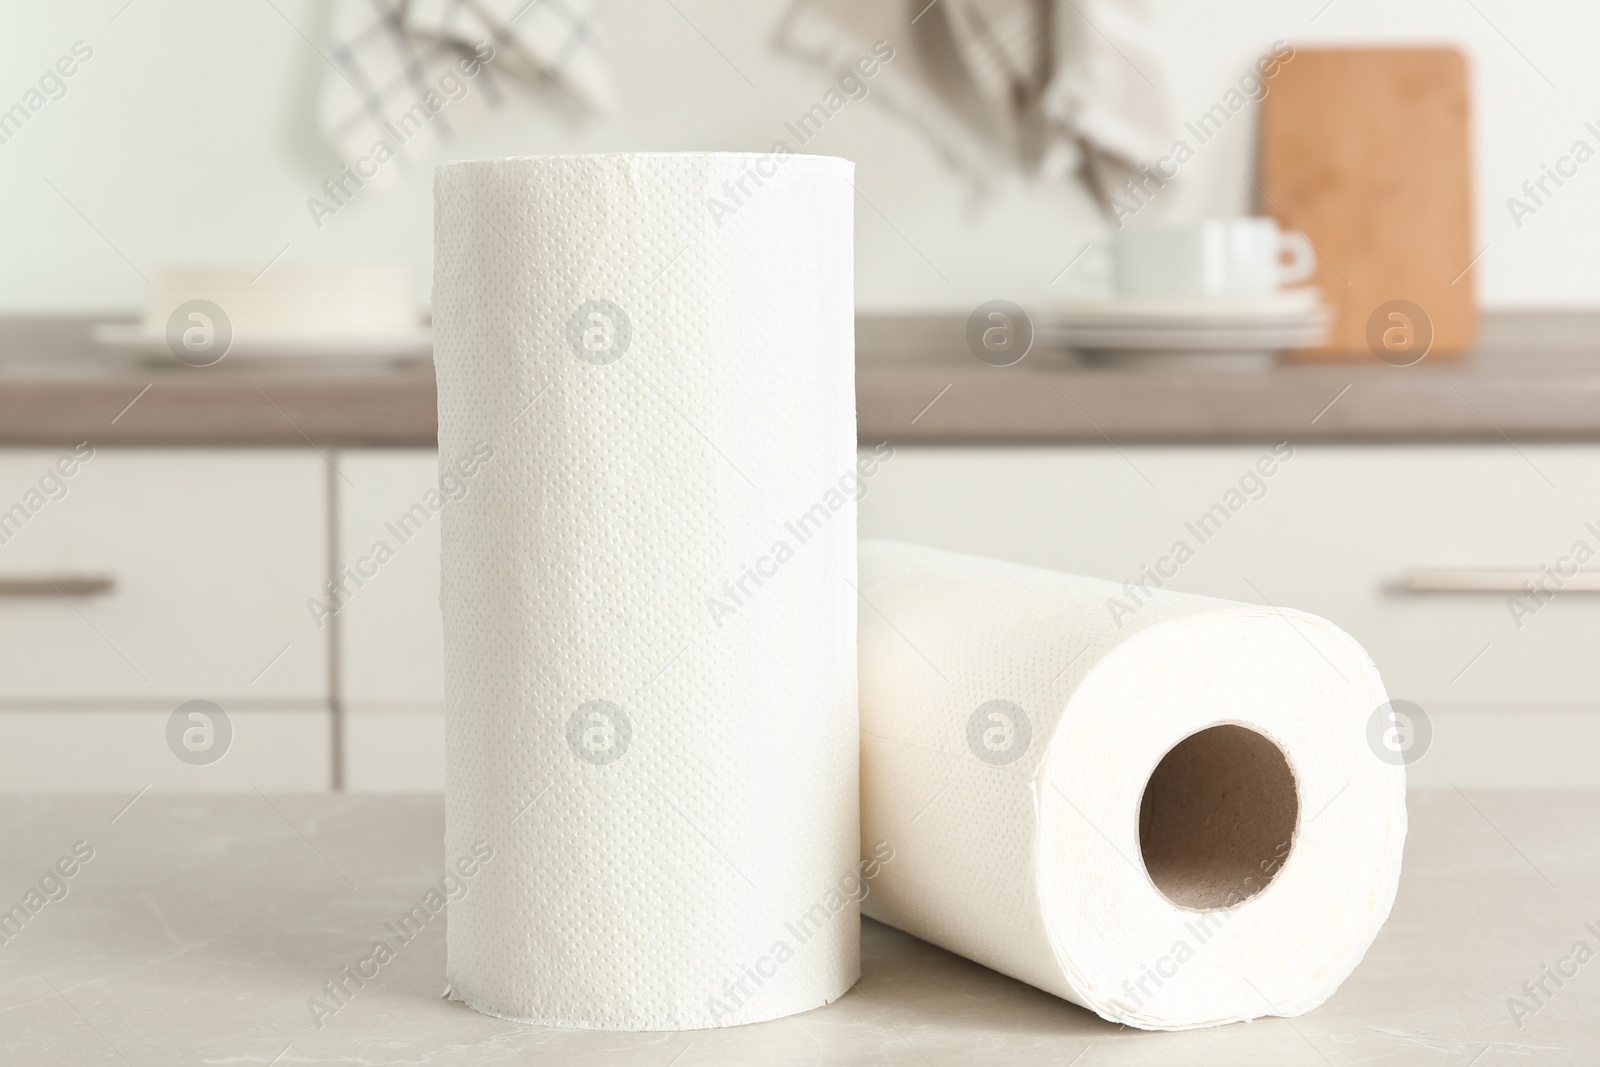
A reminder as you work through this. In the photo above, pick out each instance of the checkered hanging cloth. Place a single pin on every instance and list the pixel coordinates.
(1063, 87)
(407, 73)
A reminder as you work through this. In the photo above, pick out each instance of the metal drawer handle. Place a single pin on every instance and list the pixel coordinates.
(37, 585)
(1492, 580)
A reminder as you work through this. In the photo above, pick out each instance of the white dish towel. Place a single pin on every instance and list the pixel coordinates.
(398, 70)
(1068, 87)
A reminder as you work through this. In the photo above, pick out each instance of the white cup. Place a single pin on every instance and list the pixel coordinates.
(1223, 257)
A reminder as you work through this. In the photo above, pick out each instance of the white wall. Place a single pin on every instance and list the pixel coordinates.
(190, 135)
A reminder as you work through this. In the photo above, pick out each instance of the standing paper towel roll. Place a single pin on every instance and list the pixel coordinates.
(649, 624)
(1161, 807)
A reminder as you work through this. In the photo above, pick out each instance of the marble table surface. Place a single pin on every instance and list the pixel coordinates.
(201, 926)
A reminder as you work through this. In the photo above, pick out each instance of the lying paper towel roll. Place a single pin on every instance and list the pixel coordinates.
(649, 623)
(1169, 815)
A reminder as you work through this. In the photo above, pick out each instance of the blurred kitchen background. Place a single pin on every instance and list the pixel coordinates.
(1397, 426)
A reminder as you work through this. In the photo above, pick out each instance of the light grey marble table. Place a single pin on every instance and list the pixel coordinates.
(202, 925)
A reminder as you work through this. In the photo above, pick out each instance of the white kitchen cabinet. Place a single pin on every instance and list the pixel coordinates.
(1333, 531)
(117, 750)
(209, 559)
(394, 750)
(390, 638)
(133, 580)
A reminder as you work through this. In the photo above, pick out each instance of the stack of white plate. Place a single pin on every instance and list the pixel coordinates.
(1195, 332)
(289, 311)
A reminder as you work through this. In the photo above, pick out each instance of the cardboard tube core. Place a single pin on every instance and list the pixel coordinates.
(1218, 817)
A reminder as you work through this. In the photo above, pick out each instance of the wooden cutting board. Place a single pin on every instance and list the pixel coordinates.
(1365, 151)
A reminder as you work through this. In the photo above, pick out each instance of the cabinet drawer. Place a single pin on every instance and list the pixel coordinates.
(394, 751)
(391, 643)
(70, 750)
(1332, 530)
(391, 636)
(150, 577)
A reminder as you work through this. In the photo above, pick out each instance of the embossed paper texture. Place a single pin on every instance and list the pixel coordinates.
(1169, 810)
(647, 588)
